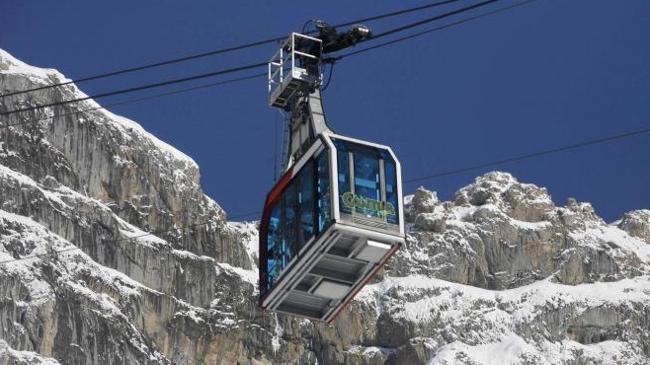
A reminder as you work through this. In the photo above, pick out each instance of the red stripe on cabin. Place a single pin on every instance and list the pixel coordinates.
(275, 194)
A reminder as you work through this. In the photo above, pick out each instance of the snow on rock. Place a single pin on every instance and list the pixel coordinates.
(499, 233)
(50, 279)
(107, 157)
(44, 76)
(637, 224)
(47, 76)
(524, 202)
(540, 322)
(11, 356)
(249, 237)
(111, 253)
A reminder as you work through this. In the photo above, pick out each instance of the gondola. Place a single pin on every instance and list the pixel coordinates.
(335, 216)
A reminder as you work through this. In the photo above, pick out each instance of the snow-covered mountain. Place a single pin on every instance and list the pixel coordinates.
(497, 275)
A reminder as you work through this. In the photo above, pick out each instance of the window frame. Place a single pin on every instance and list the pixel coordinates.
(330, 139)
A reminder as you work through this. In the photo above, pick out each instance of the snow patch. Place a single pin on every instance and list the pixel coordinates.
(533, 226)
(246, 275)
(21, 179)
(44, 76)
(10, 64)
(616, 236)
(275, 341)
(459, 297)
(505, 352)
(24, 357)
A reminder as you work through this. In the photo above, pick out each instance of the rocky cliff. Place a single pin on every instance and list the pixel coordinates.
(497, 275)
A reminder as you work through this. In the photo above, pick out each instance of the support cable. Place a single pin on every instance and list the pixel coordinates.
(139, 88)
(429, 20)
(223, 50)
(137, 100)
(415, 179)
(241, 68)
(531, 155)
(421, 33)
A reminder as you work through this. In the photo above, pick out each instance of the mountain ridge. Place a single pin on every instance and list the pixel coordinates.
(498, 274)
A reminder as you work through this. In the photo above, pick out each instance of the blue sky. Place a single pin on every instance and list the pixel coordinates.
(540, 76)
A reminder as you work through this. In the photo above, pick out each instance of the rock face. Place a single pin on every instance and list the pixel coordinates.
(498, 233)
(497, 275)
(637, 224)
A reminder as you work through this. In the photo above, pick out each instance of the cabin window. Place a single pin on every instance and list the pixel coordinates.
(300, 213)
(366, 182)
(367, 179)
(343, 161)
(391, 188)
(323, 187)
(306, 203)
(273, 242)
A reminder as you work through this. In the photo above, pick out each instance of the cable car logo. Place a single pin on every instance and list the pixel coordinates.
(351, 201)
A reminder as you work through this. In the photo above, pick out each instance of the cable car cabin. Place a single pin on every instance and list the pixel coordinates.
(329, 224)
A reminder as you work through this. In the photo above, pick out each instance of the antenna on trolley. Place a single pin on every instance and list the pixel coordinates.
(295, 79)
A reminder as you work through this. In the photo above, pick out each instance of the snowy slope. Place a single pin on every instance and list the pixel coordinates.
(43, 77)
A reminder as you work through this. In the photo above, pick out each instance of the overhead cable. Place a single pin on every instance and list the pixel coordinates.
(421, 33)
(531, 155)
(137, 100)
(222, 50)
(236, 69)
(429, 20)
(139, 88)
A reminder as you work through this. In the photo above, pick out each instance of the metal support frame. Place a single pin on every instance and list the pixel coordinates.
(294, 81)
(292, 58)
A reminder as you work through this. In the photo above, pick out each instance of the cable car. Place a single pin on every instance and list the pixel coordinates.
(335, 216)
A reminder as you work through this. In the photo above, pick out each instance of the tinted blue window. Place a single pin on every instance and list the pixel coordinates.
(324, 206)
(289, 213)
(365, 194)
(391, 190)
(302, 212)
(366, 182)
(273, 242)
(306, 201)
(343, 161)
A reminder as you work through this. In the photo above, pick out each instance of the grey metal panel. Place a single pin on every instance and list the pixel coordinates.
(370, 268)
(344, 246)
(332, 289)
(304, 304)
(338, 275)
(295, 296)
(307, 283)
(369, 223)
(319, 123)
(344, 265)
(373, 251)
(306, 301)
(381, 236)
(303, 263)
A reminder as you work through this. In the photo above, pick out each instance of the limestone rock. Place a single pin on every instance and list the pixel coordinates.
(498, 274)
(637, 224)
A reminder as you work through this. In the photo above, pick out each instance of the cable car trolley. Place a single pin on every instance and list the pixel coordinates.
(335, 216)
